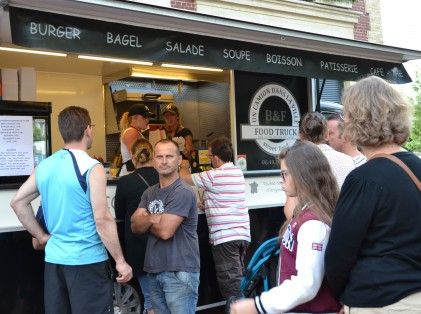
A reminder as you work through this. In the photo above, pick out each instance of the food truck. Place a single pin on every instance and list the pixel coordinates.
(249, 82)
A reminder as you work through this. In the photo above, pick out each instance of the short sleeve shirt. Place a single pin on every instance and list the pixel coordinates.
(183, 132)
(181, 252)
(340, 163)
(225, 203)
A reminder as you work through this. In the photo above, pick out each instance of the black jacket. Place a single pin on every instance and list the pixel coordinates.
(373, 257)
(127, 198)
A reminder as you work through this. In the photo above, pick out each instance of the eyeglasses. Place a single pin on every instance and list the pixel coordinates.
(284, 174)
(342, 116)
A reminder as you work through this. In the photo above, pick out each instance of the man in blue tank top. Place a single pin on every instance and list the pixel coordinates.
(72, 185)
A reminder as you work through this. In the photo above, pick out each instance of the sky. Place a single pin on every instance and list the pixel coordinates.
(401, 21)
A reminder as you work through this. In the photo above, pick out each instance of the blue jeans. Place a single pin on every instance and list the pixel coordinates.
(174, 292)
(146, 290)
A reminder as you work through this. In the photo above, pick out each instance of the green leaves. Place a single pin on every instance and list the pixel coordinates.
(414, 142)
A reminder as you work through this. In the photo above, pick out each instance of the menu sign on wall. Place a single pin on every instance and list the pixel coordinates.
(16, 146)
(268, 110)
(45, 30)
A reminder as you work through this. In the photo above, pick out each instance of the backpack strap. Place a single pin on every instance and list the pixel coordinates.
(81, 178)
(400, 163)
(143, 179)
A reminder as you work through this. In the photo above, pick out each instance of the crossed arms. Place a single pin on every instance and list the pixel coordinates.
(162, 226)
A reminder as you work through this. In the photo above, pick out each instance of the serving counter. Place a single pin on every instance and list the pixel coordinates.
(264, 198)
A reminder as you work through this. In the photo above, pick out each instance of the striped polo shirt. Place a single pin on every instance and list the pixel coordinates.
(225, 203)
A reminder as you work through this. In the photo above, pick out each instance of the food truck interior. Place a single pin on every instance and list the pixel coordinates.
(107, 89)
(253, 91)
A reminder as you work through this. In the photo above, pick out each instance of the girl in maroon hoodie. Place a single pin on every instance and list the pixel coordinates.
(305, 174)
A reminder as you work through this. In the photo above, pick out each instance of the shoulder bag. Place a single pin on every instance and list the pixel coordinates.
(400, 163)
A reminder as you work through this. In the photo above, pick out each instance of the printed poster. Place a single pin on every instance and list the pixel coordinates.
(16, 146)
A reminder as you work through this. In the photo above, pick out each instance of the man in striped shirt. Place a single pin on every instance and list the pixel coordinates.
(226, 212)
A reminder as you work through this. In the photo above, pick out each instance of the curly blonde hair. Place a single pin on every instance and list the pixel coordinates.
(375, 114)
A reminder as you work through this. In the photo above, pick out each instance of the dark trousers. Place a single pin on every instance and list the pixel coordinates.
(229, 265)
(78, 289)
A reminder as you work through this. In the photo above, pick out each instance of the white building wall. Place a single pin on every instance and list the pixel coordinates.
(401, 23)
(332, 20)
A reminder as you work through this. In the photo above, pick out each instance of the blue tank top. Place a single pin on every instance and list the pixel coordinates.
(67, 209)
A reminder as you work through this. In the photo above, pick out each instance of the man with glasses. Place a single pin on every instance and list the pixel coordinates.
(226, 212)
(72, 185)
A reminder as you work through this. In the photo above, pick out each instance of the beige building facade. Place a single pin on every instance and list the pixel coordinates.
(314, 17)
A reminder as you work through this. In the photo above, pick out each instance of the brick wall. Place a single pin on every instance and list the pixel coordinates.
(184, 4)
(363, 26)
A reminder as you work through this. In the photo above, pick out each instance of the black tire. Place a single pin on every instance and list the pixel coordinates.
(126, 300)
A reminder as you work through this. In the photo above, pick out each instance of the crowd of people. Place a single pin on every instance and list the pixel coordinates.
(366, 253)
(351, 241)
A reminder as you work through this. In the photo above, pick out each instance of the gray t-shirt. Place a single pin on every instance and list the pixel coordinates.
(181, 252)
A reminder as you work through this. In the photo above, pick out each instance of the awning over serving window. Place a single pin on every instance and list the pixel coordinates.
(75, 34)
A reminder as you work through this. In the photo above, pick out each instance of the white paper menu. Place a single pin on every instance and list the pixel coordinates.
(16, 146)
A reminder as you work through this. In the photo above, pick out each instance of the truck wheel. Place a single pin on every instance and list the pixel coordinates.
(126, 299)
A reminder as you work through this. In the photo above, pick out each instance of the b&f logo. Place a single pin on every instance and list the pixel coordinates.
(272, 106)
(288, 239)
(156, 207)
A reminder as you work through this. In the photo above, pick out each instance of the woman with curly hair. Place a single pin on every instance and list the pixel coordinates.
(373, 259)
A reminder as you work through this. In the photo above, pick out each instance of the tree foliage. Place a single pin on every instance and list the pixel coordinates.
(414, 142)
(38, 133)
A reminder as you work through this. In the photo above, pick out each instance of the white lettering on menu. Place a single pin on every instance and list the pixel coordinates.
(237, 54)
(48, 30)
(284, 60)
(338, 67)
(377, 71)
(191, 49)
(123, 40)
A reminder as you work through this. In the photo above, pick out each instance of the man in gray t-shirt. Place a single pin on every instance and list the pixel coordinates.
(168, 211)
(179, 253)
